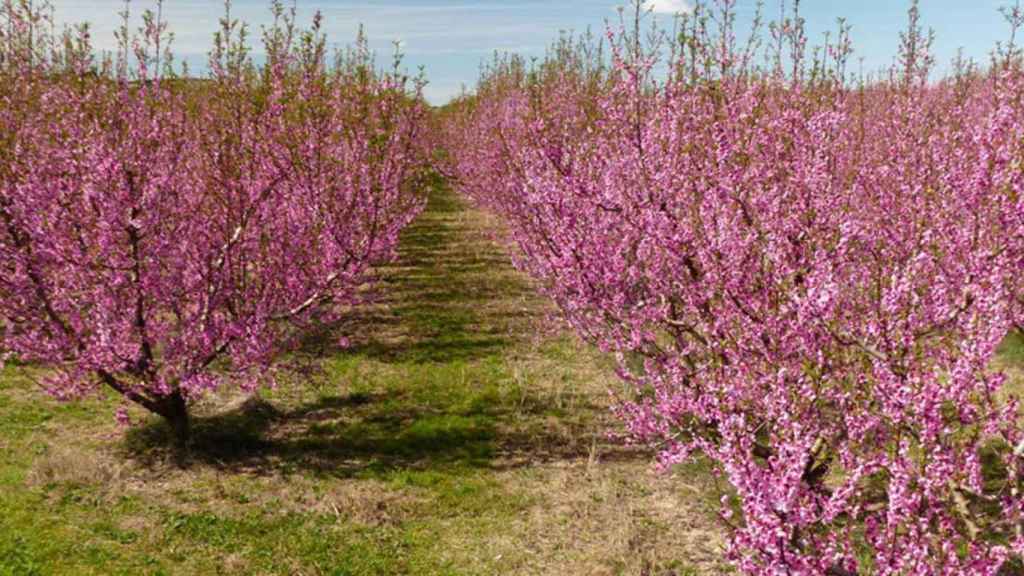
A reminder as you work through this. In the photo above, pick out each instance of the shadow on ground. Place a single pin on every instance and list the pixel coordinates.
(363, 435)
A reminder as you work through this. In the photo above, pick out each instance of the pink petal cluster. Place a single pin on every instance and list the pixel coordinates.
(805, 279)
(164, 236)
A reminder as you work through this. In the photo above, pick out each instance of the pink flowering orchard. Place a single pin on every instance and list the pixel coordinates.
(804, 275)
(166, 237)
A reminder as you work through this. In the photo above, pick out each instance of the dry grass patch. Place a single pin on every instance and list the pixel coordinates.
(71, 465)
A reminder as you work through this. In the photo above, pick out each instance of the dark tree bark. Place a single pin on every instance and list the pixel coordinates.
(174, 410)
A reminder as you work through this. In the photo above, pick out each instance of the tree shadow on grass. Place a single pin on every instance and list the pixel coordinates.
(361, 435)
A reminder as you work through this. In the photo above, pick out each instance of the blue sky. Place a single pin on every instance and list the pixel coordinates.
(450, 38)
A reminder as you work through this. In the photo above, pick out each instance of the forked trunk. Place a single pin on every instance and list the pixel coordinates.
(172, 408)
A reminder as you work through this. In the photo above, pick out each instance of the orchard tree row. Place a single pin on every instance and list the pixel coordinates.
(163, 235)
(804, 273)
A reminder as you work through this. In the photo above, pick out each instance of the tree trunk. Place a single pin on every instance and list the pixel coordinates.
(172, 408)
(175, 411)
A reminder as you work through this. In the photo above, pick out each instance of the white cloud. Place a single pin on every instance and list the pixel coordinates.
(668, 6)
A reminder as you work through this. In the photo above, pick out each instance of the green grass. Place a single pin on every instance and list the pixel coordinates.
(450, 438)
(1012, 349)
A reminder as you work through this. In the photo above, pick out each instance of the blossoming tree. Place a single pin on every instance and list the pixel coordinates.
(163, 236)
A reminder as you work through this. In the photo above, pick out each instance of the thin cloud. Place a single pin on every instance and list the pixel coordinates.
(668, 6)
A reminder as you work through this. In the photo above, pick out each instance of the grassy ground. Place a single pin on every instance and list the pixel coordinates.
(1010, 360)
(453, 437)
